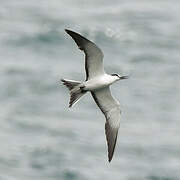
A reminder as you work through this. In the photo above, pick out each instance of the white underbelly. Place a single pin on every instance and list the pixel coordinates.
(97, 83)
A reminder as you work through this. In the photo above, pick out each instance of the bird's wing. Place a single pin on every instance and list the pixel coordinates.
(93, 55)
(111, 109)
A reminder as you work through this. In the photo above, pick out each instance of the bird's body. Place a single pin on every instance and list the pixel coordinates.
(98, 83)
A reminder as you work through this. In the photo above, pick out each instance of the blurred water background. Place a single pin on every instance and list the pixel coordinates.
(40, 138)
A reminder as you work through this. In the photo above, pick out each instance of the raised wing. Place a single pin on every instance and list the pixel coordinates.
(111, 109)
(93, 55)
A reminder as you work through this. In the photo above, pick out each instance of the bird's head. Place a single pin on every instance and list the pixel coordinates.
(118, 77)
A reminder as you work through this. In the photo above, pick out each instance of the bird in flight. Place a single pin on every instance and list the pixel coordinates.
(98, 83)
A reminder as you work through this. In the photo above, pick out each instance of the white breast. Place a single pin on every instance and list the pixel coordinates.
(99, 82)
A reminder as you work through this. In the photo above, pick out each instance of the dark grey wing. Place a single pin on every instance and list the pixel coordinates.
(111, 109)
(93, 55)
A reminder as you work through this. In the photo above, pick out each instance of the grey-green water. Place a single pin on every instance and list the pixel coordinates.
(40, 138)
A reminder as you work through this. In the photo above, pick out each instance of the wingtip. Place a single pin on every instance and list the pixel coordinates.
(111, 137)
(67, 31)
(71, 33)
(109, 158)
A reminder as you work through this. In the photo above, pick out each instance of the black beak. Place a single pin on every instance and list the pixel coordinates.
(124, 77)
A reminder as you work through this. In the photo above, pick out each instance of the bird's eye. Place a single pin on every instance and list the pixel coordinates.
(115, 75)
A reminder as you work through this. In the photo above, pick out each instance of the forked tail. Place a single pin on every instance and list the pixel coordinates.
(76, 91)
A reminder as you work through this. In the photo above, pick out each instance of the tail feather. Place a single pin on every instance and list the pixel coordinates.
(75, 90)
(75, 97)
(70, 84)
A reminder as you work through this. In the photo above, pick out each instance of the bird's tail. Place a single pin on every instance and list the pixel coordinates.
(76, 90)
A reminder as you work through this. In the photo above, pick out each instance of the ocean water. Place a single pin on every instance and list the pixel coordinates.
(41, 138)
